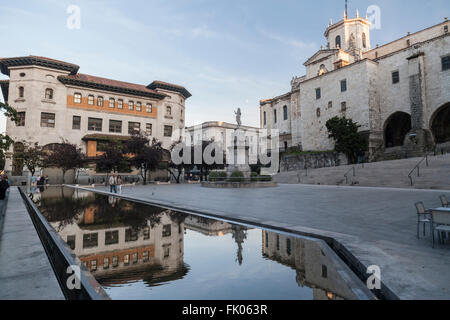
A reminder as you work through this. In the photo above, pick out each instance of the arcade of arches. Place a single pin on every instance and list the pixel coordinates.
(440, 124)
(397, 127)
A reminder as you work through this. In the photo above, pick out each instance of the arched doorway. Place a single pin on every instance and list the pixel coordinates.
(396, 128)
(440, 124)
(17, 165)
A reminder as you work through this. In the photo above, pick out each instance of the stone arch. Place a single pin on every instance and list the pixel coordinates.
(396, 128)
(17, 165)
(440, 124)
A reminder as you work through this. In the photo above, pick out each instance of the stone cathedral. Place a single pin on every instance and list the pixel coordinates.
(399, 92)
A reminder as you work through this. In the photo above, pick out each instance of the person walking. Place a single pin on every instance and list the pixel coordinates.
(113, 183)
(119, 184)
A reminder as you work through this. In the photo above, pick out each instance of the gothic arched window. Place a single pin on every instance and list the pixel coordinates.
(364, 40)
(338, 42)
(21, 92)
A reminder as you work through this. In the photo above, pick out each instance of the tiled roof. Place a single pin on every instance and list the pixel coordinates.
(5, 63)
(170, 87)
(85, 80)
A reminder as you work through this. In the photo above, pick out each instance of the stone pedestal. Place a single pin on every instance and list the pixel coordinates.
(238, 155)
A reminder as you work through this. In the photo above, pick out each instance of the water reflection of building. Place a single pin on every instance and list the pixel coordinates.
(119, 251)
(207, 226)
(314, 269)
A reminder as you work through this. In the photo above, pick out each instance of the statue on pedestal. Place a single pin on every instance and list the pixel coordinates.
(238, 117)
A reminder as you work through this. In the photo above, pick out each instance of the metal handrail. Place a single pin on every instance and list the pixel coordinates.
(346, 174)
(418, 169)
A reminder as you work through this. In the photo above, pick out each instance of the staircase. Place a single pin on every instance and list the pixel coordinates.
(392, 173)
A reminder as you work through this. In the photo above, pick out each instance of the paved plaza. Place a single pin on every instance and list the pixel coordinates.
(378, 225)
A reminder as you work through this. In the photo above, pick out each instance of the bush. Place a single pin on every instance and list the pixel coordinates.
(254, 176)
(237, 176)
(215, 176)
(265, 178)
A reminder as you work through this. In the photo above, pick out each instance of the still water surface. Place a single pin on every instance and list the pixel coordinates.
(137, 251)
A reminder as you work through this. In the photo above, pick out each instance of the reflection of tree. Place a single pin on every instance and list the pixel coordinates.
(65, 209)
(239, 236)
(178, 217)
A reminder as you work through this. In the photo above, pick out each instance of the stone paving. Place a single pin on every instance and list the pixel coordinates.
(378, 225)
(25, 271)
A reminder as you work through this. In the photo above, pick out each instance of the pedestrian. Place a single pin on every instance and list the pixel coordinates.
(4, 186)
(119, 184)
(113, 183)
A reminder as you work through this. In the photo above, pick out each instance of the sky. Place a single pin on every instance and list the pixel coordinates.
(227, 53)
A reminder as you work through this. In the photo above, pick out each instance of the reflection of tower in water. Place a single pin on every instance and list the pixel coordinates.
(239, 236)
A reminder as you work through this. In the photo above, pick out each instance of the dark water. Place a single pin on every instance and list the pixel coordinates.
(137, 251)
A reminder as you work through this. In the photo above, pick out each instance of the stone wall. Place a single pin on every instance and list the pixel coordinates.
(312, 161)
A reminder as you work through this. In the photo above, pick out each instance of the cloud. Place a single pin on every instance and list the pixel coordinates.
(288, 41)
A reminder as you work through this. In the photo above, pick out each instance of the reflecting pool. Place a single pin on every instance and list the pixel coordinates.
(137, 251)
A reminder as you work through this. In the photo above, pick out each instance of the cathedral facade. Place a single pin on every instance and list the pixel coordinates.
(399, 93)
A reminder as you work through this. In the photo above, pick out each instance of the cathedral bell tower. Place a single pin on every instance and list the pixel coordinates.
(351, 35)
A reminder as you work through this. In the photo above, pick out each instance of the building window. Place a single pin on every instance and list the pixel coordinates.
(167, 131)
(47, 120)
(77, 98)
(318, 94)
(343, 85)
(318, 112)
(395, 77)
(94, 265)
(324, 271)
(100, 101)
(285, 112)
(146, 233)
(21, 92)
(149, 108)
(330, 104)
(445, 63)
(364, 40)
(49, 94)
(166, 249)
(131, 105)
(278, 242)
(71, 242)
(134, 127)
(90, 100)
(267, 239)
(20, 119)
(275, 116)
(112, 102)
(138, 106)
(167, 230)
(148, 129)
(145, 256)
(130, 235)
(115, 261)
(115, 126)
(106, 263)
(343, 106)
(120, 104)
(76, 123)
(94, 124)
(168, 110)
(111, 237)
(408, 43)
(126, 259)
(338, 41)
(445, 29)
(288, 247)
(265, 118)
(90, 240)
(134, 258)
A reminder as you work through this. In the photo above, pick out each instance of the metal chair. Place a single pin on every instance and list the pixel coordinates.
(444, 201)
(440, 222)
(423, 216)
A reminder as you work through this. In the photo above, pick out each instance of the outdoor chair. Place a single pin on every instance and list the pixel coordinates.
(444, 201)
(423, 216)
(440, 222)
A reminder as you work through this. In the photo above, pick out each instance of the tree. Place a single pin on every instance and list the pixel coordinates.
(176, 169)
(145, 154)
(32, 156)
(347, 139)
(5, 140)
(112, 158)
(66, 157)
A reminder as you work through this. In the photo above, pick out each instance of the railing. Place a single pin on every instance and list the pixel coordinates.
(346, 174)
(417, 167)
(61, 259)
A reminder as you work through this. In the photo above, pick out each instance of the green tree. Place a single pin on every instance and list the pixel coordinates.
(347, 139)
(5, 140)
(66, 157)
(32, 156)
(113, 158)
